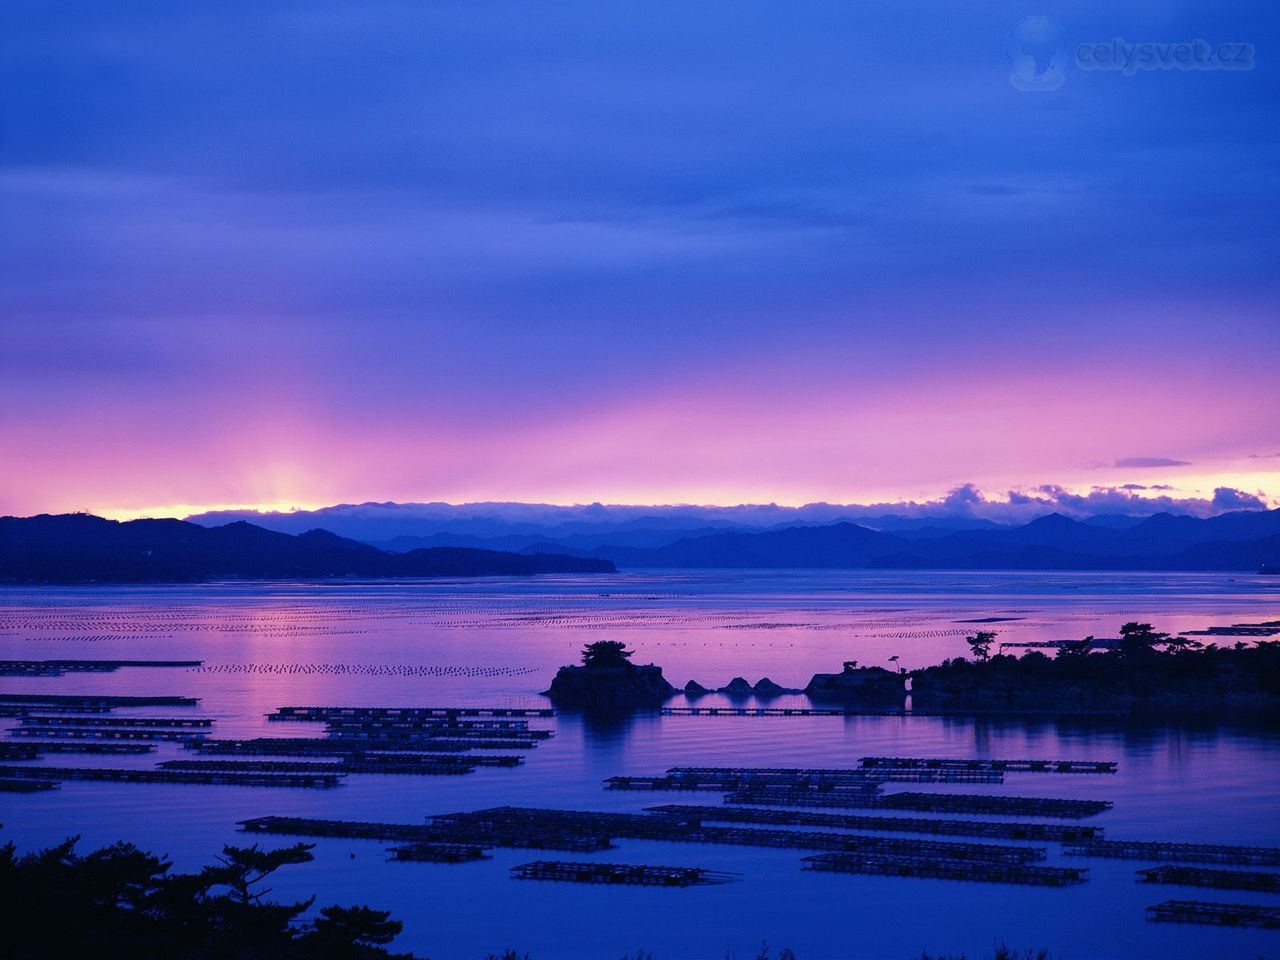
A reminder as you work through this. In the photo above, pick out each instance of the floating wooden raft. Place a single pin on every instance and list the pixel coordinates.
(538, 838)
(721, 783)
(97, 701)
(322, 714)
(346, 829)
(983, 872)
(105, 733)
(1052, 832)
(320, 746)
(433, 723)
(308, 766)
(628, 873)
(43, 721)
(481, 738)
(283, 747)
(925, 802)
(439, 853)
(1187, 852)
(1215, 879)
(55, 668)
(376, 732)
(429, 744)
(109, 747)
(1216, 914)
(1003, 766)
(634, 826)
(8, 785)
(12, 710)
(773, 712)
(570, 838)
(171, 776)
(853, 775)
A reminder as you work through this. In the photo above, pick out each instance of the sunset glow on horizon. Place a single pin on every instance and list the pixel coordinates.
(438, 285)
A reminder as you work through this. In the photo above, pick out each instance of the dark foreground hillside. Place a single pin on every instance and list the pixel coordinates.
(78, 548)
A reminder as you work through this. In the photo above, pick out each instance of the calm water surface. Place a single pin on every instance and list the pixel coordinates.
(498, 642)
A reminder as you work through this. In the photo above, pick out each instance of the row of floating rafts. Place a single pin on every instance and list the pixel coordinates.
(80, 728)
(846, 788)
(425, 723)
(131, 775)
(413, 765)
(619, 873)
(97, 701)
(32, 750)
(854, 779)
(323, 746)
(777, 816)
(425, 750)
(445, 839)
(56, 668)
(922, 802)
(324, 714)
(659, 827)
(1186, 852)
(1006, 766)
(1184, 876)
(574, 830)
(8, 710)
(368, 669)
(107, 733)
(942, 869)
(1216, 914)
(83, 724)
(115, 721)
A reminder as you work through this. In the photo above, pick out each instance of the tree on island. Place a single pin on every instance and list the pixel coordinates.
(1074, 649)
(1138, 639)
(606, 654)
(980, 644)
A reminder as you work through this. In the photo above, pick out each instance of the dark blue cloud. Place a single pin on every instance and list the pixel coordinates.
(1142, 462)
(1226, 498)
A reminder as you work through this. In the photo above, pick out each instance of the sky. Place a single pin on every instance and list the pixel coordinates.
(294, 254)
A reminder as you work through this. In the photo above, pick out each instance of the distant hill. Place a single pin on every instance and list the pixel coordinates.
(1244, 540)
(75, 548)
(979, 525)
(836, 546)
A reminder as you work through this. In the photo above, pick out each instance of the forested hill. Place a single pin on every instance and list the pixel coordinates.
(77, 548)
(1241, 541)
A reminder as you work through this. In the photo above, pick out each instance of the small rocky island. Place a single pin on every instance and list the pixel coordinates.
(608, 681)
(854, 685)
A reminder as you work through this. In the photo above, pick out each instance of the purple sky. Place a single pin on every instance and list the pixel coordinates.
(303, 253)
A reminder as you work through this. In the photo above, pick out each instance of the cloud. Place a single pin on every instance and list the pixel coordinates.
(1150, 462)
(1228, 498)
(962, 499)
